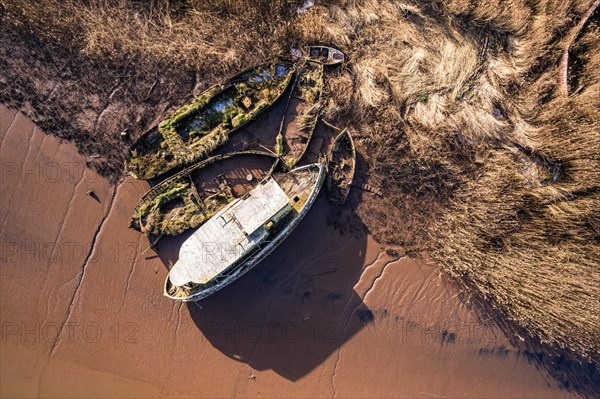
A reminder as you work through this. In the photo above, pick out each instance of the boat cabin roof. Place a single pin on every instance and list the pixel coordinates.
(228, 235)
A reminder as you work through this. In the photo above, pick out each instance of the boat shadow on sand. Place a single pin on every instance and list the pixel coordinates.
(297, 307)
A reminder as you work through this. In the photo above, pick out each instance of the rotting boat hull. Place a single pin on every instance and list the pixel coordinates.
(325, 55)
(305, 101)
(342, 166)
(148, 209)
(198, 128)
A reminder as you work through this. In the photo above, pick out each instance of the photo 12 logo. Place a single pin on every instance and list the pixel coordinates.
(271, 332)
(68, 251)
(48, 172)
(70, 332)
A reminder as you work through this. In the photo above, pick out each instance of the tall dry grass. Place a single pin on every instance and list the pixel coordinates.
(206, 35)
(486, 165)
(458, 107)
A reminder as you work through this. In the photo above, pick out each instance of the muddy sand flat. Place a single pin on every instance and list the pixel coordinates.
(82, 310)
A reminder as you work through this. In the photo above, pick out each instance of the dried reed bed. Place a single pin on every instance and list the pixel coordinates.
(485, 163)
(458, 107)
(209, 36)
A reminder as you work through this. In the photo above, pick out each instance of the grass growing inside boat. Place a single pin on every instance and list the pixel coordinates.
(279, 144)
(177, 209)
(308, 119)
(198, 128)
(310, 82)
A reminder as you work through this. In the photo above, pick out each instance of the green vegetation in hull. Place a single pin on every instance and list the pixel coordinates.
(308, 88)
(177, 209)
(198, 128)
(176, 204)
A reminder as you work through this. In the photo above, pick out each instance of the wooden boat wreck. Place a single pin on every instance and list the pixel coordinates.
(199, 127)
(243, 233)
(302, 112)
(325, 55)
(184, 201)
(296, 116)
(341, 165)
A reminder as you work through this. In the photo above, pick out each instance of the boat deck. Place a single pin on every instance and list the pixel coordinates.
(296, 190)
(229, 235)
(298, 186)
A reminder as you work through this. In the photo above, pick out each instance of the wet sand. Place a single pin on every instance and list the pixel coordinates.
(326, 314)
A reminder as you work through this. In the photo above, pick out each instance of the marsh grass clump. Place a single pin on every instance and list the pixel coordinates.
(482, 158)
(309, 87)
(205, 35)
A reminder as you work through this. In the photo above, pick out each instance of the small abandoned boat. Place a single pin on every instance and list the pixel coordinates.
(325, 55)
(192, 196)
(302, 112)
(199, 127)
(243, 233)
(342, 164)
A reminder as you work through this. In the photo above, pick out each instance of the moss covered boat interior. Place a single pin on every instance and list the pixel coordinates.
(195, 130)
(341, 165)
(189, 198)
